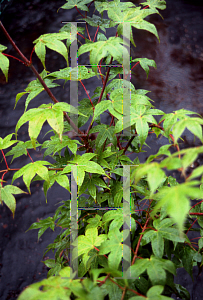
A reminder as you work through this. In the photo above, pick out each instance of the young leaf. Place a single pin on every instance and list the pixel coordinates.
(37, 116)
(43, 225)
(114, 246)
(101, 49)
(81, 4)
(52, 41)
(74, 74)
(88, 241)
(20, 149)
(6, 195)
(160, 4)
(145, 63)
(29, 171)
(176, 199)
(155, 269)
(6, 142)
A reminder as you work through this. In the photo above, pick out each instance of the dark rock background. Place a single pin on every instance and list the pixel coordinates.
(177, 83)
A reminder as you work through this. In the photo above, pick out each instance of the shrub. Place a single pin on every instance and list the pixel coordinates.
(109, 247)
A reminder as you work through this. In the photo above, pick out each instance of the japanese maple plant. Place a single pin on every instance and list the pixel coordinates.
(109, 247)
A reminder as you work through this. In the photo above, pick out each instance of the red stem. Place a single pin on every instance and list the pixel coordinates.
(31, 54)
(4, 159)
(3, 178)
(138, 244)
(96, 33)
(14, 58)
(191, 226)
(88, 32)
(29, 156)
(98, 250)
(87, 94)
(105, 82)
(79, 11)
(81, 35)
(135, 65)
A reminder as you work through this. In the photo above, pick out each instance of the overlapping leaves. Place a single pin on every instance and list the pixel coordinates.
(34, 88)
(83, 164)
(155, 269)
(52, 113)
(30, 170)
(101, 49)
(74, 74)
(6, 194)
(120, 13)
(53, 42)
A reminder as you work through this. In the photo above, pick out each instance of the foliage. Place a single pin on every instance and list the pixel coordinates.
(149, 244)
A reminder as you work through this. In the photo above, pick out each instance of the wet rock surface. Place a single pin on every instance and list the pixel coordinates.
(177, 83)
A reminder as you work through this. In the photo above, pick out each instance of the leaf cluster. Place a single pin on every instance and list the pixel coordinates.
(109, 247)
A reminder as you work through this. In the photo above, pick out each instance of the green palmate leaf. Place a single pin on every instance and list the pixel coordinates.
(6, 142)
(43, 225)
(101, 49)
(20, 149)
(142, 129)
(116, 216)
(83, 164)
(163, 150)
(81, 4)
(34, 88)
(114, 246)
(176, 199)
(174, 162)
(134, 16)
(74, 74)
(155, 269)
(155, 176)
(37, 116)
(72, 31)
(6, 195)
(117, 98)
(127, 13)
(94, 222)
(114, 72)
(30, 170)
(52, 41)
(171, 119)
(96, 21)
(105, 132)
(64, 287)
(4, 62)
(100, 108)
(117, 7)
(90, 183)
(63, 181)
(111, 289)
(120, 83)
(55, 145)
(163, 232)
(192, 124)
(141, 116)
(153, 293)
(145, 63)
(160, 4)
(88, 241)
(187, 255)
